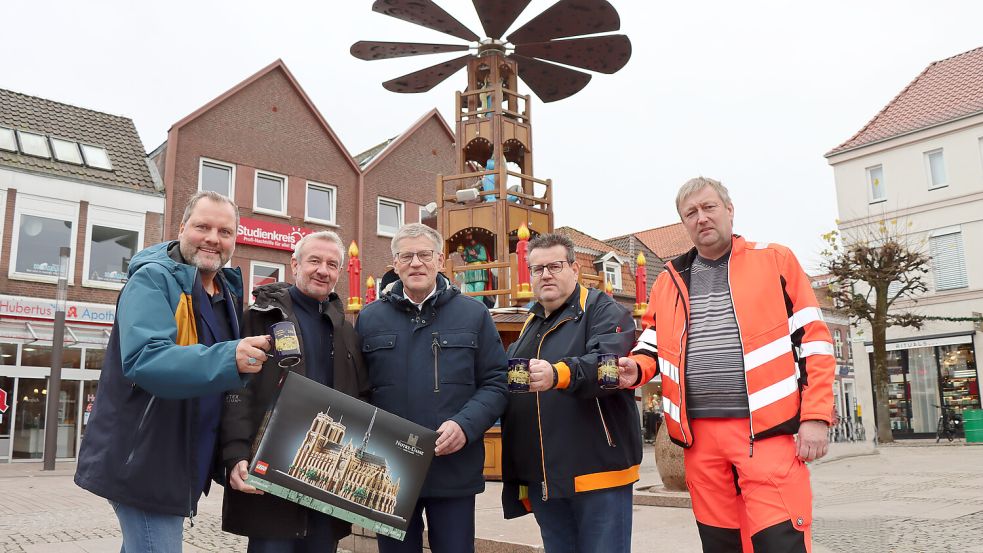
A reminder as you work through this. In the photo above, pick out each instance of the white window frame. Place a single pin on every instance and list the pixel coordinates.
(114, 218)
(49, 208)
(54, 154)
(283, 193)
(616, 283)
(232, 178)
(252, 273)
(870, 184)
(334, 203)
(83, 146)
(378, 223)
(838, 343)
(956, 229)
(44, 139)
(423, 213)
(13, 135)
(928, 169)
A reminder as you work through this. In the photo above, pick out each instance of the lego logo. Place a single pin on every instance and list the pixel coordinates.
(261, 467)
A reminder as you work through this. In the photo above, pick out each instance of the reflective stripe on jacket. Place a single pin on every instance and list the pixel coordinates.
(789, 365)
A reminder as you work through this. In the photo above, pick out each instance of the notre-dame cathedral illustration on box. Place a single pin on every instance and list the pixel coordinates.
(343, 457)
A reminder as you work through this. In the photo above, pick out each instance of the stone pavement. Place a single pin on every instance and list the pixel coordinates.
(913, 497)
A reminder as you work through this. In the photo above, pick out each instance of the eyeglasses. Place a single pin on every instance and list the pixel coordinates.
(554, 268)
(425, 256)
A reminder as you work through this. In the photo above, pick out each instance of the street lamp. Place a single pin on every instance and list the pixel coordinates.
(58, 345)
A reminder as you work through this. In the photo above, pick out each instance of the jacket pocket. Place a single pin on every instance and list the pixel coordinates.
(380, 356)
(456, 361)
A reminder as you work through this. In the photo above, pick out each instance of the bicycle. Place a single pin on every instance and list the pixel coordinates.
(948, 424)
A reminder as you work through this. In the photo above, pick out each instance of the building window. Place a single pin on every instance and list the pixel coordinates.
(612, 274)
(33, 144)
(113, 237)
(423, 213)
(935, 165)
(390, 216)
(66, 151)
(838, 343)
(270, 193)
(97, 157)
(43, 226)
(320, 203)
(875, 183)
(7, 140)
(215, 176)
(948, 260)
(262, 273)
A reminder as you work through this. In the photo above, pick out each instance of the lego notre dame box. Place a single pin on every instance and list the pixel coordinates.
(343, 457)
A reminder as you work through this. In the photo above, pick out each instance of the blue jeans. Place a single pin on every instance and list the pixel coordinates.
(320, 539)
(592, 522)
(146, 531)
(450, 527)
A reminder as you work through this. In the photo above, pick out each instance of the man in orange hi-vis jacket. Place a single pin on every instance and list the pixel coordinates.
(747, 378)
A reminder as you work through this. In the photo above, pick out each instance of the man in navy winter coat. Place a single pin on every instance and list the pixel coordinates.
(175, 348)
(434, 357)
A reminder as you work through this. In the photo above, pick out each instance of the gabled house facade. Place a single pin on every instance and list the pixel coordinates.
(70, 178)
(918, 167)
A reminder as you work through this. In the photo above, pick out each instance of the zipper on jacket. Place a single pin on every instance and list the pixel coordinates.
(143, 421)
(435, 347)
(539, 417)
(740, 336)
(607, 433)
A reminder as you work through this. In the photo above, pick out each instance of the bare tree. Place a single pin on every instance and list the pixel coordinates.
(864, 264)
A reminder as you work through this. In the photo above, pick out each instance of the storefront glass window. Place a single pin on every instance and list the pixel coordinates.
(29, 424)
(94, 358)
(8, 355)
(897, 391)
(40, 356)
(960, 387)
(7, 385)
(38, 244)
(924, 387)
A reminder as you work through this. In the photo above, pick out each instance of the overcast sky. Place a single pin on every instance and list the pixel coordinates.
(752, 93)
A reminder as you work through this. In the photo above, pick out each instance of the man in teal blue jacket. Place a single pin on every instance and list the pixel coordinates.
(175, 348)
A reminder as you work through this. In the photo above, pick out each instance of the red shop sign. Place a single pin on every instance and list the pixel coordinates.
(269, 235)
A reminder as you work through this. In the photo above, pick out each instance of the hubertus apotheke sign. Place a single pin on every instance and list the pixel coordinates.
(266, 234)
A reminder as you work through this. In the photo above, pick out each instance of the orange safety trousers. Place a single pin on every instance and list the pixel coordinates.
(760, 503)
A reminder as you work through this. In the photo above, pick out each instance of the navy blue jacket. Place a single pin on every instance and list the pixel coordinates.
(140, 446)
(444, 362)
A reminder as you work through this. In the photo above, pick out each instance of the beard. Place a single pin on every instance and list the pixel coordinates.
(190, 254)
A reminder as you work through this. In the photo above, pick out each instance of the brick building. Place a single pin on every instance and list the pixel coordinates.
(265, 144)
(77, 178)
(399, 177)
(844, 389)
(601, 259)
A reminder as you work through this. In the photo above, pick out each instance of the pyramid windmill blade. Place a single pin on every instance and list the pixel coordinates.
(549, 81)
(373, 50)
(498, 15)
(425, 13)
(427, 78)
(604, 54)
(569, 18)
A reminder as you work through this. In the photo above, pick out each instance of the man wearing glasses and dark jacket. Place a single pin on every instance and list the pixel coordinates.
(571, 450)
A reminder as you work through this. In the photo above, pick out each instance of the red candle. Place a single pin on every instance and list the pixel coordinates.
(354, 279)
(525, 291)
(640, 288)
(369, 290)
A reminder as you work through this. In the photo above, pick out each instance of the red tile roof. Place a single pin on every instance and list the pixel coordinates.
(667, 242)
(946, 90)
(583, 240)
